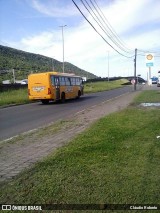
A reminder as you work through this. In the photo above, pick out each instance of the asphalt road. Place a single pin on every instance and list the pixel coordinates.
(18, 119)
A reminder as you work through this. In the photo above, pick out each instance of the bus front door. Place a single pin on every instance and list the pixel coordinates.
(57, 85)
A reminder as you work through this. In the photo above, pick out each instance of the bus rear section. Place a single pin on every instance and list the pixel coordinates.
(39, 87)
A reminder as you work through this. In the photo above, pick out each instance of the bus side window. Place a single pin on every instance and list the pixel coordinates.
(62, 81)
(73, 81)
(81, 81)
(52, 80)
(67, 80)
(56, 81)
(77, 81)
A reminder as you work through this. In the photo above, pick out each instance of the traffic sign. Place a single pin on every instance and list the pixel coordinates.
(133, 81)
(149, 64)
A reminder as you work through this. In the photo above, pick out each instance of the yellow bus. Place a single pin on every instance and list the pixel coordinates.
(54, 86)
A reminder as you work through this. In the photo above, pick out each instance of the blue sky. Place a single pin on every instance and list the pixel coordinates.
(34, 26)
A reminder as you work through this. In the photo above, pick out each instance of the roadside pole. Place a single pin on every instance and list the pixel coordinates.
(149, 63)
(63, 44)
(149, 72)
(135, 62)
(108, 65)
(14, 78)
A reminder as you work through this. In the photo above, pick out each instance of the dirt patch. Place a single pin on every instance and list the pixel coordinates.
(23, 151)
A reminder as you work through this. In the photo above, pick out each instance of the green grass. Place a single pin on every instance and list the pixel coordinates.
(152, 96)
(14, 97)
(115, 161)
(21, 96)
(103, 85)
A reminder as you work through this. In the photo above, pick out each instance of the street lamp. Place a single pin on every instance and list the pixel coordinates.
(52, 62)
(63, 43)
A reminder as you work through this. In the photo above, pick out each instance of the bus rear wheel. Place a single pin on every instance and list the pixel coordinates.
(45, 101)
(79, 94)
(63, 98)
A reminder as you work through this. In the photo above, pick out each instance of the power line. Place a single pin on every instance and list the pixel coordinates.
(101, 25)
(156, 54)
(106, 22)
(116, 35)
(97, 30)
(146, 51)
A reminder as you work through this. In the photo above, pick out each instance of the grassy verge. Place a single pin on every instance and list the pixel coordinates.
(150, 96)
(116, 161)
(102, 86)
(21, 96)
(14, 97)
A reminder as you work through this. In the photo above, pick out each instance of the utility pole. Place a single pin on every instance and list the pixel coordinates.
(63, 44)
(52, 65)
(14, 79)
(108, 65)
(135, 62)
(149, 72)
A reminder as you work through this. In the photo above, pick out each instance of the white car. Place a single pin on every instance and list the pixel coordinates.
(158, 83)
(24, 82)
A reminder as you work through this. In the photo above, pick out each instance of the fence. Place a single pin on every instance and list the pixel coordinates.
(5, 87)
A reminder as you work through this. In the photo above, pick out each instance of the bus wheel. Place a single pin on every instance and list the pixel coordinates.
(63, 98)
(79, 94)
(45, 101)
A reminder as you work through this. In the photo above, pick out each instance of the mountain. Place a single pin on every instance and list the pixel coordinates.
(25, 63)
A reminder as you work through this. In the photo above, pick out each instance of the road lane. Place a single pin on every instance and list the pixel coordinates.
(18, 119)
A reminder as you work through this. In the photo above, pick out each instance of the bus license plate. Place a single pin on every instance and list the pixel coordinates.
(38, 89)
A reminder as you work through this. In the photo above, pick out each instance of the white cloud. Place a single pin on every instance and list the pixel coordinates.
(54, 8)
(37, 41)
(127, 16)
(147, 41)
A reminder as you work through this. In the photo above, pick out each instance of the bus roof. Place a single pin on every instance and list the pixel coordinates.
(57, 73)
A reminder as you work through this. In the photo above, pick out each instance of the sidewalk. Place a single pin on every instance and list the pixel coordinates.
(25, 150)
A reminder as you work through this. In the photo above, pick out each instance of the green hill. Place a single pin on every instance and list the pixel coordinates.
(25, 63)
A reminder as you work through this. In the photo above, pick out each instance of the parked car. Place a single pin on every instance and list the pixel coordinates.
(154, 80)
(158, 82)
(23, 82)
